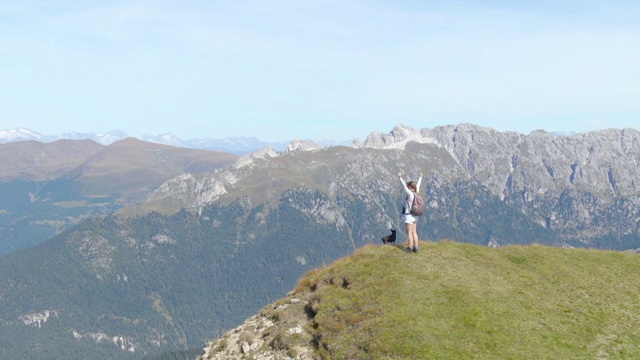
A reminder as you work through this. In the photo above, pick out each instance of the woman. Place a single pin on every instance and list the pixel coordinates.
(410, 189)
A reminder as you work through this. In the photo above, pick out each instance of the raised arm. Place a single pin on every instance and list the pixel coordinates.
(404, 184)
(418, 184)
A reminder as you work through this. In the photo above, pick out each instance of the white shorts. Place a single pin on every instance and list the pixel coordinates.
(408, 219)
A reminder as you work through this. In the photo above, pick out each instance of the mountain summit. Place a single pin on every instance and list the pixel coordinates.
(451, 301)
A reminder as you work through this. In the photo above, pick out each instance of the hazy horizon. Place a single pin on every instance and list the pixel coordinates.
(278, 70)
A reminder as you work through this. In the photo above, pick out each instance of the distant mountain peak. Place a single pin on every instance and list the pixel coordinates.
(238, 145)
(249, 159)
(303, 145)
(19, 134)
(398, 138)
(107, 138)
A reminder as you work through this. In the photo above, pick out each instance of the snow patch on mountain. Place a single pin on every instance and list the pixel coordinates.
(234, 145)
(19, 134)
(165, 139)
(104, 139)
(110, 137)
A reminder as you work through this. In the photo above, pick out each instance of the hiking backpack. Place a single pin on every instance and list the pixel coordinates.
(417, 207)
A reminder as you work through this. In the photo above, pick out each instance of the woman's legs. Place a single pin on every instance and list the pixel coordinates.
(412, 235)
(409, 235)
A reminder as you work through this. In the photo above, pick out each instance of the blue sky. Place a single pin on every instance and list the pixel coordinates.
(326, 69)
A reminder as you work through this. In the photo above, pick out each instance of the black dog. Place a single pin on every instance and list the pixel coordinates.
(389, 238)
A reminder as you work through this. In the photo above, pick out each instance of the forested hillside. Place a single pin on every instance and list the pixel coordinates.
(128, 288)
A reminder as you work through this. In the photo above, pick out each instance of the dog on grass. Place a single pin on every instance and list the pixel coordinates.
(389, 238)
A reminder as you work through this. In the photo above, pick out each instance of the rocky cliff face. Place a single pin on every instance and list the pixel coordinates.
(605, 162)
(563, 182)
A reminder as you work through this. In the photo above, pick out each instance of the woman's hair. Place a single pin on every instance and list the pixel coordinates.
(411, 184)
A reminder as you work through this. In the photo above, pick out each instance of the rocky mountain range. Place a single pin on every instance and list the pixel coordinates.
(204, 251)
(582, 187)
(238, 145)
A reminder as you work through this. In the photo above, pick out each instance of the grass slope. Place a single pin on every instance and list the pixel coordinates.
(460, 301)
(36, 161)
(133, 168)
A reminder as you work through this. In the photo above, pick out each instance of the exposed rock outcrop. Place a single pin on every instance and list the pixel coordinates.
(278, 332)
(303, 145)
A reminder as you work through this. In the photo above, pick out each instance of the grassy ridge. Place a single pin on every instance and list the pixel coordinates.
(460, 301)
